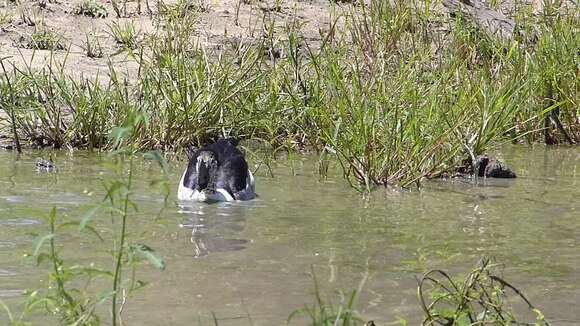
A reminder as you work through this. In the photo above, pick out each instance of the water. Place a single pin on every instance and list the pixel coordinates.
(249, 263)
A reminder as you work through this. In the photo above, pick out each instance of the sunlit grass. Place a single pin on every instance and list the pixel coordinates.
(91, 8)
(392, 99)
(125, 34)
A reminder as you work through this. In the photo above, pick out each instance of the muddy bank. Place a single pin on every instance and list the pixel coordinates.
(75, 25)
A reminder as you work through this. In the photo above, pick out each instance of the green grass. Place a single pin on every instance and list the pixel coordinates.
(91, 8)
(482, 297)
(5, 18)
(324, 313)
(42, 39)
(125, 34)
(92, 46)
(394, 100)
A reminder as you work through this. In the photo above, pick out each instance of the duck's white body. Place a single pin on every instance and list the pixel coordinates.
(188, 194)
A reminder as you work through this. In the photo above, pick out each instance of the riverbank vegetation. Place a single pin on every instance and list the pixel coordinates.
(397, 92)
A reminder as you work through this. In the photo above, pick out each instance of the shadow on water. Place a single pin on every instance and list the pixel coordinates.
(214, 227)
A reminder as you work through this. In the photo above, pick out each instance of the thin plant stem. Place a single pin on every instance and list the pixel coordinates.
(118, 264)
(56, 265)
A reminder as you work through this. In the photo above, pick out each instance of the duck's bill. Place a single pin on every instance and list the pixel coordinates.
(207, 196)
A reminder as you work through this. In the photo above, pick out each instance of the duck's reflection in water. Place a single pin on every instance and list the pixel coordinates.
(214, 228)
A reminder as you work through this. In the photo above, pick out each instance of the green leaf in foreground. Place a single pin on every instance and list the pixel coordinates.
(149, 254)
(39, 242)
(88, 216)
(157, 157)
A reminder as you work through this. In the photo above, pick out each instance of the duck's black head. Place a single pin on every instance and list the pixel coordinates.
(207, 170)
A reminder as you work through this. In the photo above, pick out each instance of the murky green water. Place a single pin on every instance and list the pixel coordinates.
(253, 259)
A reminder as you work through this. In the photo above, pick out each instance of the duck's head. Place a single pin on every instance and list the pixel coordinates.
(207, 172)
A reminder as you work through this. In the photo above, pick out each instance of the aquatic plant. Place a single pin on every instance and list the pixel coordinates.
(62, 296)
(70, 304)
(327, 314)
(481, 298)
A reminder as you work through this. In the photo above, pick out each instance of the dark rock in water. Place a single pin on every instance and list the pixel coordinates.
(496, 169)
(43, 165)
(488, 167)
(491, 167)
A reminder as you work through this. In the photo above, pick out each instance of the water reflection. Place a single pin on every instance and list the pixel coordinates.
(214, 228)
(11, 293)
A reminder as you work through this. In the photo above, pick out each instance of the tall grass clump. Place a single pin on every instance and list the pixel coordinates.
(125, 34)
(393, 113)
(53, 109)
(42, 39)
(9, 106)
(183, 86)
(402, 103)
(555, 72)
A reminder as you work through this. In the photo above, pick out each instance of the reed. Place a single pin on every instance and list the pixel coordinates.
(393, 99)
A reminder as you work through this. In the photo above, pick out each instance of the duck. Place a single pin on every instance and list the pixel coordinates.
(43, 165)
(217, 172)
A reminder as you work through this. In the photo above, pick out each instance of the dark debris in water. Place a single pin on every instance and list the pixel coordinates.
(486, 166)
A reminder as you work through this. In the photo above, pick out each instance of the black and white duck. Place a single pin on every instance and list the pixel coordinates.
(217, 172)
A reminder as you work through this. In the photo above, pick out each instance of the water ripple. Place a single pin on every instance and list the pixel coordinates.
(14, 199)
(11, 293)
(19, 222)
(7, 244)
(4, 272)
